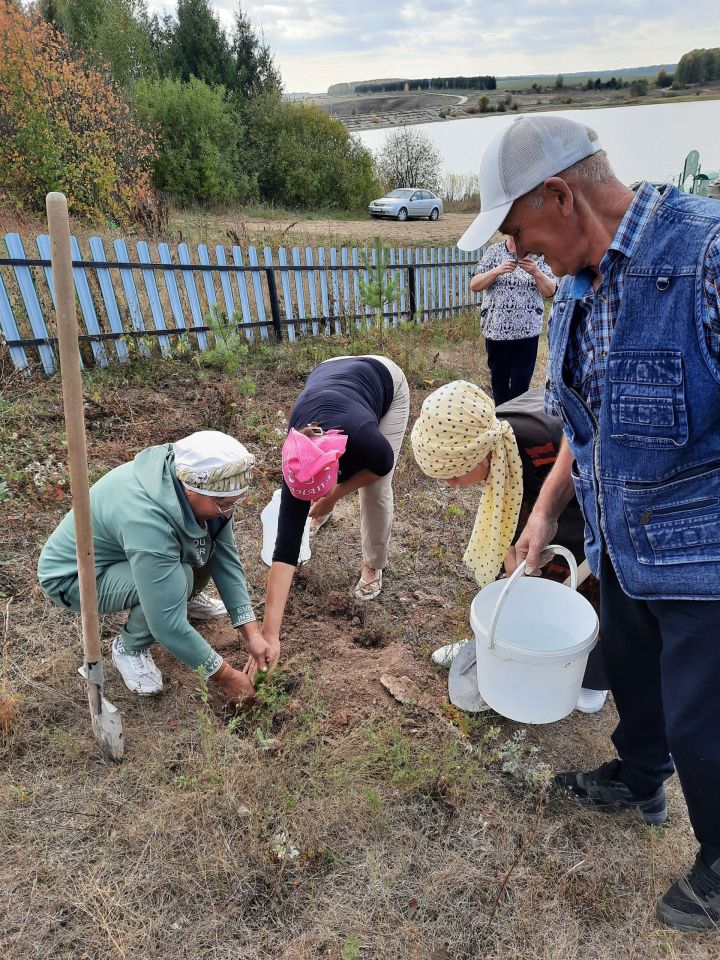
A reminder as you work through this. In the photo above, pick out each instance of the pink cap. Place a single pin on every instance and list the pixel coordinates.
(310, 464)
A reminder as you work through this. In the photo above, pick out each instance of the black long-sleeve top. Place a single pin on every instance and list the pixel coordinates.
(351, 395)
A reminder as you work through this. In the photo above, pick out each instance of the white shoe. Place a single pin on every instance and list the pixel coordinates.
(591, 701)
(138, 670)
(203, 607)
(445, 655)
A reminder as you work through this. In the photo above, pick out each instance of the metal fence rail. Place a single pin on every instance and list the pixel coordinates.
(166, 294)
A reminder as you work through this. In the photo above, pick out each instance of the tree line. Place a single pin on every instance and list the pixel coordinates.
(432, 83)
(110, 104)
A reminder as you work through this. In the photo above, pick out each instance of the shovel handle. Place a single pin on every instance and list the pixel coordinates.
(67, 330)
(512, 580)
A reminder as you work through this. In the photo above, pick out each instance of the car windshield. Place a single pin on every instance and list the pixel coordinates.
(401, 194)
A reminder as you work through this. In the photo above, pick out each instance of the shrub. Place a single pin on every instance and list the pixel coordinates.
(304, 158)
(111, 32)
(64, 125)
(638, 88)
(198, 133)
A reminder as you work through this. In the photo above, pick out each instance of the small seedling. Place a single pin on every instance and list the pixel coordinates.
(351, 949)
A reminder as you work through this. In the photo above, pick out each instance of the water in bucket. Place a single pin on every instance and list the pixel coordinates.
(269, 518)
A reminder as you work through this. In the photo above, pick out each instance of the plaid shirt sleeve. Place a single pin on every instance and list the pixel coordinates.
(712, 293)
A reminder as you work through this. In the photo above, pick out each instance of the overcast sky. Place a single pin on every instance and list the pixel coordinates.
(319, 42)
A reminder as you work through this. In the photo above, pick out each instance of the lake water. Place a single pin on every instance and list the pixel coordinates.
(644, 142)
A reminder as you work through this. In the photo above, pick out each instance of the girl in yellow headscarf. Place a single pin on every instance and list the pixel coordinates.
(457, 438)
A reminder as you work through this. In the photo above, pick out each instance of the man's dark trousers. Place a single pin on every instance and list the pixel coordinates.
(662, 659)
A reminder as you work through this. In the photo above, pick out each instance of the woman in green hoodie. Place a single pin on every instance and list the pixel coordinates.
(162, 527)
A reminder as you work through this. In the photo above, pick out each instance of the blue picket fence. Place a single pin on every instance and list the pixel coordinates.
(129, 301)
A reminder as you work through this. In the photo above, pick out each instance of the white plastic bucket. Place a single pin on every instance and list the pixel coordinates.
(269, 518)
(532, 647)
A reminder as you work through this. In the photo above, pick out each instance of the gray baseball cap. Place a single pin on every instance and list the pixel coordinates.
(520, 158)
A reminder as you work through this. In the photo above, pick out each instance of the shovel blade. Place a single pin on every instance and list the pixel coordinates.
(105, 717)
(462, 682)
(107, 727)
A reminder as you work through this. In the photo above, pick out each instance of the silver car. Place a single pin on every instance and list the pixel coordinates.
(407, 202)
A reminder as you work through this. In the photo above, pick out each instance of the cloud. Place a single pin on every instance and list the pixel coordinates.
(319, 42)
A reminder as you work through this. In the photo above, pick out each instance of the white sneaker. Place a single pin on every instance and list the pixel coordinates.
(591, 701)
(445, 655)
(138, 670)
(203, 607)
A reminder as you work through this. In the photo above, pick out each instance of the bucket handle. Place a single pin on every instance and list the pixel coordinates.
(515, 576)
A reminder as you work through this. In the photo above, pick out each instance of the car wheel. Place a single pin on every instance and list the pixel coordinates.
(402, 214)
(434, 214)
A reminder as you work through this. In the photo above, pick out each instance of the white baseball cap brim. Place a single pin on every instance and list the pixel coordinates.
(483, 227)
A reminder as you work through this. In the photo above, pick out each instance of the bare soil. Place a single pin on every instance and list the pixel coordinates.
(332, 822)
(445, 231)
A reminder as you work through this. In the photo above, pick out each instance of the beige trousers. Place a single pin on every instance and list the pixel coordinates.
(376, 500)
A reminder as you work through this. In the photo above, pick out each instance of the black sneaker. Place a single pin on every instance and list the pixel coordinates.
(693, 903)
(602, 790)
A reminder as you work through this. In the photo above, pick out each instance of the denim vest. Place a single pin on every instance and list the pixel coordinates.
(647, 471)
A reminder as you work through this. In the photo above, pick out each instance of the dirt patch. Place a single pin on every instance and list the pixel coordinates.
(446, 231)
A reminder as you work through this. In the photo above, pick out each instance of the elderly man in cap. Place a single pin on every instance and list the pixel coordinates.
(634, 371)
(162, 527)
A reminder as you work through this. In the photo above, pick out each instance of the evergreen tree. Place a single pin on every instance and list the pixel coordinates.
(253, 68)
(198, 46)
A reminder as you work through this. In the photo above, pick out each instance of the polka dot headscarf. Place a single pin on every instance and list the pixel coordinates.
(455, 431)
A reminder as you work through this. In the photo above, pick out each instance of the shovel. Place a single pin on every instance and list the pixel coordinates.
(106, 720)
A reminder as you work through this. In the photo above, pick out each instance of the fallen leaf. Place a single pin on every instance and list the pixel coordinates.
(429, 598)
(407, 692)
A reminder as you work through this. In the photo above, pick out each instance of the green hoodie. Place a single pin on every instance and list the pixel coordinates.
(140, 515)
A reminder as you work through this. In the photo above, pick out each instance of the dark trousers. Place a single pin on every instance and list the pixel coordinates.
(594, 677)
(662, 659)
(511, 364)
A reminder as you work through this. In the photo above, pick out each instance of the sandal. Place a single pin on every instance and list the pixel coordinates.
(369, 589)
(316, 524)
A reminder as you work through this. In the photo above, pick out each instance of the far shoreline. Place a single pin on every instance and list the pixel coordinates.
(397, 120)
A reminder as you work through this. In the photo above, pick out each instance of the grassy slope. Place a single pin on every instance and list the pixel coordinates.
(411, 840)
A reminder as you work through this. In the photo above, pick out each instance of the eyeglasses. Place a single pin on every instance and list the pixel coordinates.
(225, 511)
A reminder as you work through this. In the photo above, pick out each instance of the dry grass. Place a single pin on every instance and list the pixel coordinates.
(411, 842)
(263, 226)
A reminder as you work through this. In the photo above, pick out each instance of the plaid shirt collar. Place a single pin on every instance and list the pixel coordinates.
(623, 243)
(631, 226)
